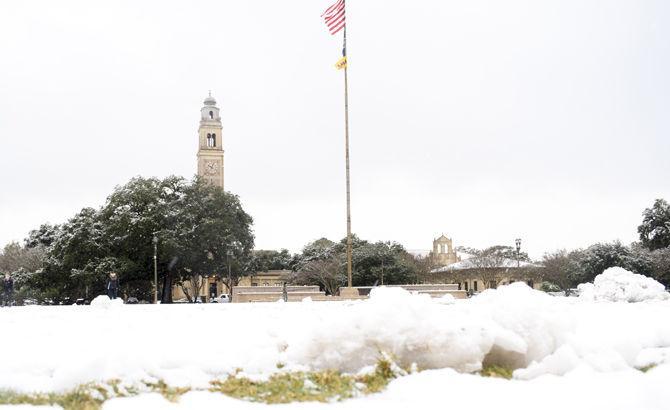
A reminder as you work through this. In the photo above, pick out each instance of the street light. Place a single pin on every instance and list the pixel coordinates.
(518, 249)
(229, 253)
(155, 241)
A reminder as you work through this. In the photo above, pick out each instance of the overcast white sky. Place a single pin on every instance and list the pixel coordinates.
(483, 120)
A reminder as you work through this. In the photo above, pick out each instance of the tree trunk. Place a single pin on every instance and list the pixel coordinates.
(166, 294)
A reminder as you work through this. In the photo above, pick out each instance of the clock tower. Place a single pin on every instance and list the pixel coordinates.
(210, 143)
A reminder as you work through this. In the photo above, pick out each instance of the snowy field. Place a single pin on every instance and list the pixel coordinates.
(582, 353)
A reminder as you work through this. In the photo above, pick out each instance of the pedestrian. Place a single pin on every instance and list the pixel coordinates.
(7, 290)
(113, 285)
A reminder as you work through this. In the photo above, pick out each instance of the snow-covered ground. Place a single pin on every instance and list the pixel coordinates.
(569, 352)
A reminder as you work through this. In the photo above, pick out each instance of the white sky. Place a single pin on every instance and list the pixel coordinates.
(485, 120)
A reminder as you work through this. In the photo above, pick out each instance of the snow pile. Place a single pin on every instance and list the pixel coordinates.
(56, 348)
(447, 299)
(619, 285)
(104, 302)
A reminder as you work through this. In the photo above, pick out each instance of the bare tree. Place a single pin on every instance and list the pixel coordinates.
(192, 287)
(492, 265)
(489, 268)
(327, 273)
(561, 268)
(424, 269)
(14, 257)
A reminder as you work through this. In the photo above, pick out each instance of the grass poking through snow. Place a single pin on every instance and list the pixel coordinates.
(323, 386)
(645, 369)
(497, 371)
(286, 387)
(78, 399)
(282, 387)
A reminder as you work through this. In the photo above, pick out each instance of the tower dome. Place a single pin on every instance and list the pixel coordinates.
(210, 100)
(209, 111)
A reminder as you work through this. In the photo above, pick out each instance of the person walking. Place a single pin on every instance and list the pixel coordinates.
(7, 290)
(113, 285)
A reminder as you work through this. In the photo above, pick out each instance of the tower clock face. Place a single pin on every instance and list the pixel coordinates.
(211, 168)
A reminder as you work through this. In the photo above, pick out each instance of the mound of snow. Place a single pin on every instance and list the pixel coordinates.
(619, 285)
(105, 302)
(446, 299)
(512, 326)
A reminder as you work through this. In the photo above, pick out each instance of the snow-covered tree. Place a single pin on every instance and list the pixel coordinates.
(660, 261)
(265, 260)
(655, 228)
(207, 223)
(600, 256)
(44, 236)
(370, 263)
(194, 222)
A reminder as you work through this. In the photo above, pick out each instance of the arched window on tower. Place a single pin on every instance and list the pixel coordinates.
(209, 140)
(211, 115)
(213, 140)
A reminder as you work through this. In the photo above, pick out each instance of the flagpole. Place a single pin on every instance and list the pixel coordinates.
(346, 140)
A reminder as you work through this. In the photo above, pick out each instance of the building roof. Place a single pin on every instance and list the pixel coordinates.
(471, 263)
(419, 252)
(274, 272)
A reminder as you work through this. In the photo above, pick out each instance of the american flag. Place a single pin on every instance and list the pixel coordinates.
(334, 17)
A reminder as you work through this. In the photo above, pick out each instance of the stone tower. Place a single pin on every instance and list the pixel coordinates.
(210, 143)
(443, 252)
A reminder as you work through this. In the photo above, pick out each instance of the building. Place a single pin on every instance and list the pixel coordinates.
(214, 286)
(443, 252)
(269, 278)
(210, 287)
(484, 272)
(210, 143)
(476, 273)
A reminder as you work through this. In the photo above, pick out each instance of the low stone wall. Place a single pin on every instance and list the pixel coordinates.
(247, 297)
(435, 290)
(273, 289)
(429, 287)
(250, 294)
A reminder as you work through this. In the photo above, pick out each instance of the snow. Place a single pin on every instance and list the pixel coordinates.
(618, 284)
(104, 302)
(565, 350)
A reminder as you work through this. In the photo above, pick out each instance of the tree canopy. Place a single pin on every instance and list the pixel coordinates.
(324, 262)
(196, 224)
(655, 227)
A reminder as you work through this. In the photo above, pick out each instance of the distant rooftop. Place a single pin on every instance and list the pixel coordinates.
(471, 263)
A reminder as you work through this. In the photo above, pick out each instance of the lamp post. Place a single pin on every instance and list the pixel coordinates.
(518, 250)
(229, 253)
(155, 241)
